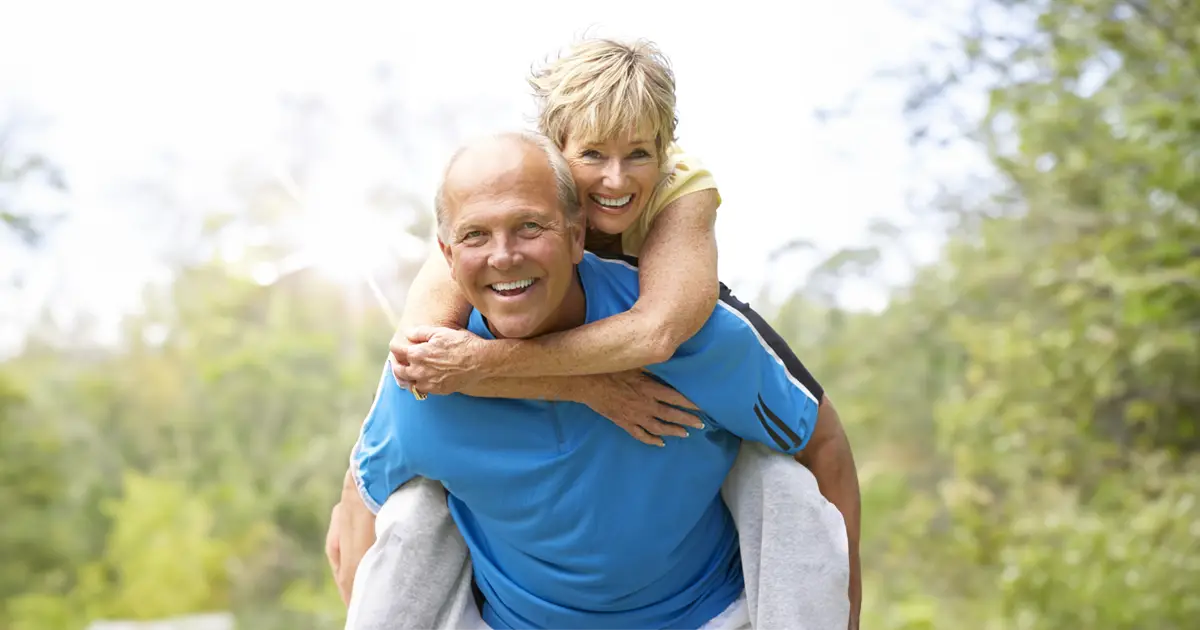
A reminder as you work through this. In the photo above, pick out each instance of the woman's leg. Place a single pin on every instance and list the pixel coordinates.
(417, 575)
(795, 555)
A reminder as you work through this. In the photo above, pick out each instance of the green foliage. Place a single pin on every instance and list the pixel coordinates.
(33, 541)
(1027, 409)
(192, 469)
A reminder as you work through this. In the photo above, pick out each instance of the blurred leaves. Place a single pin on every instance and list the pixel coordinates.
(21, 170)
(193, 469)
(1039, 385)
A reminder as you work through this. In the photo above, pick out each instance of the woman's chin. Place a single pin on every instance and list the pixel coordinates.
(610, 223)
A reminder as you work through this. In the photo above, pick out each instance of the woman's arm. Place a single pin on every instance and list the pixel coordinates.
(643, 407)
(678, 284)
(677, 272)
(433, 299)
(633, 402)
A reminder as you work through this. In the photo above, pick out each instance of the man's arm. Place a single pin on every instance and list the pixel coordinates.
(831, 461)
(354, 526)
(744, 374)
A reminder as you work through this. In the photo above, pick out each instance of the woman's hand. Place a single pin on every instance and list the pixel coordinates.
(641, 406)
(437, 360)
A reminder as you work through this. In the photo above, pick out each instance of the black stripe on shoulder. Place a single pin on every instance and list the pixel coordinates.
(625, 258)
(776, 343)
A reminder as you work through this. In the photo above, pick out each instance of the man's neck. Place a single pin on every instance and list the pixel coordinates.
(571, 312)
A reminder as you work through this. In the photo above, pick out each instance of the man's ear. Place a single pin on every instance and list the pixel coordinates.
(448, 254)
(578, 237)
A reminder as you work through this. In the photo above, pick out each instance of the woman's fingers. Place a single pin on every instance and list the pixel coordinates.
(656, 426)
(678, 417)
(642, 436)
(665, 394)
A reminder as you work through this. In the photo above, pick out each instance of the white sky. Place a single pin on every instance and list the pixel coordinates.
(125, 83)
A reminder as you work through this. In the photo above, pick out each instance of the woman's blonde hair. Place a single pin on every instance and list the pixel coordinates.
(604, 87)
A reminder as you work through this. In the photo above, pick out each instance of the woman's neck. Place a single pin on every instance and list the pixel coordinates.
(601, 243)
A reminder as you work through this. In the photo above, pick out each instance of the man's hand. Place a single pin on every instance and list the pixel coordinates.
(640, 405)
(333, 549)
(437, 360)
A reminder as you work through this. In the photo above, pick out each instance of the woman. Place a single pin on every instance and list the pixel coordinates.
(610, 107)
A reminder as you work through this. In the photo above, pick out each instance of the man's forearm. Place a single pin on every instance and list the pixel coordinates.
(356, 534)
(829, 457)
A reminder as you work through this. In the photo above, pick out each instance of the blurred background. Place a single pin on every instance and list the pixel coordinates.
(976, 221)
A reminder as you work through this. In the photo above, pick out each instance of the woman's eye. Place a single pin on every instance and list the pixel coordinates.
(591, 154)
(639, 154)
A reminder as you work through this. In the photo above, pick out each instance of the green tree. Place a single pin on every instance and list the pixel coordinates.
(1029, 403)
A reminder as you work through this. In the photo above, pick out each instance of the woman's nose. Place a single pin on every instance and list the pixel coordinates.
(614, 174)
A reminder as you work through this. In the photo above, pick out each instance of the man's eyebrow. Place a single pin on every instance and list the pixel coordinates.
(533, 215)
(462, 229)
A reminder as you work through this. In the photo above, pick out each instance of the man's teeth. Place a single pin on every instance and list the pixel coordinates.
(509, 286)
(612, 203)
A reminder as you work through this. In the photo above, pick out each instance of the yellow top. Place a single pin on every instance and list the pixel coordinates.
(685, 174)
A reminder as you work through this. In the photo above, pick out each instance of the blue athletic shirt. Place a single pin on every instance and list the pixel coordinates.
(570, 522)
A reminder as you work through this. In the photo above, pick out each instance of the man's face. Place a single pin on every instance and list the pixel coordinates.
(509, 247)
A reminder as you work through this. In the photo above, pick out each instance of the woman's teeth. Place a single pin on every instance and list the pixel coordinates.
(609, 202)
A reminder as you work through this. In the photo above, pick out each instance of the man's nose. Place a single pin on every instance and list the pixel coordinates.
(505, 254)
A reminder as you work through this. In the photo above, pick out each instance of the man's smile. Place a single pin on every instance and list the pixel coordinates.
(512, 289)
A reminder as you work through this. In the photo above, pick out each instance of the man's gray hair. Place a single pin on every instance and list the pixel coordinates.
(568, 196)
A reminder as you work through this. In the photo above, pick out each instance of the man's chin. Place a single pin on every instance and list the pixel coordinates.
(513, 327)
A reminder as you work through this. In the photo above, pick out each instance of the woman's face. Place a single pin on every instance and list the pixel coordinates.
(615, 178)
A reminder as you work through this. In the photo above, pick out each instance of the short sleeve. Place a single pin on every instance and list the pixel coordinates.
(685, 174)
(378, 462)
(746, 380)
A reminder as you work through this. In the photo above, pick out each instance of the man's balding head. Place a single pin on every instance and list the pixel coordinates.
(489, 160)
(510, 227)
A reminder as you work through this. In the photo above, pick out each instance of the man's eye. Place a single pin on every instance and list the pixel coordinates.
(472, 235)
(530, 225)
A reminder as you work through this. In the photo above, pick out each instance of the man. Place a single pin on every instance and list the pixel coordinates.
(569, 523)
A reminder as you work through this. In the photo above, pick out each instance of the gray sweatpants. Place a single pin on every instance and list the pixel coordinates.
(417, 575)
